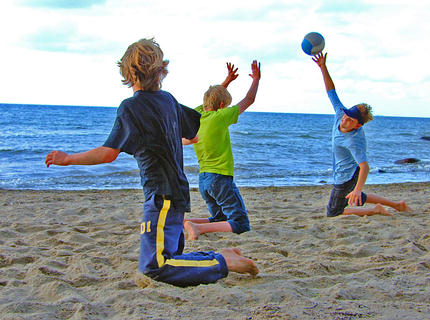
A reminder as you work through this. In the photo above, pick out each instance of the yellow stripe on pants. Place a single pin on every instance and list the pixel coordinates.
(160, 245)
(160, 232)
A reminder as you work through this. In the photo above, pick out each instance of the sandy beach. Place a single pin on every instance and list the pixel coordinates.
(73, 255)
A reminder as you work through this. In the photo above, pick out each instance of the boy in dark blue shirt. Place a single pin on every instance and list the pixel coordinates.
(150, 126)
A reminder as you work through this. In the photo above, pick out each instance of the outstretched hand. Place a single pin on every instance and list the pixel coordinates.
(320, 59)
(56, 157)
(256, 73)
(94, 156)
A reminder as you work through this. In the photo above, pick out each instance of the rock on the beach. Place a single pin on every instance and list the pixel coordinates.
(407, 160)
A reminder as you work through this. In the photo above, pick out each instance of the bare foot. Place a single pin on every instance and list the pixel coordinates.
(192, 230)
(143, 281)
(403, 207)
(379, 209)
(237, 263)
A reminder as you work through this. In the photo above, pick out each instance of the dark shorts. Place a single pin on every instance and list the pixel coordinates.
(338, 200)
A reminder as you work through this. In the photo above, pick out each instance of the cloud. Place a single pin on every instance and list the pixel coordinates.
(66, 37)
(61, 4)
(342, 6)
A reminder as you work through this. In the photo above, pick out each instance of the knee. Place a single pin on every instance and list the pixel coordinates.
(334, 212)
(217, 218)
(239, 227)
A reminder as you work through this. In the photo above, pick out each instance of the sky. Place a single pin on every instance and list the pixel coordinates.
(65, 52)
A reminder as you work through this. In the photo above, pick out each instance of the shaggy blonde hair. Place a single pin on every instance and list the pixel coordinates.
(214, 96)
(143, 65)
(366, 112)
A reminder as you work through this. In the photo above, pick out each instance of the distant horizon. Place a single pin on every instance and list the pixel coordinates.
(253, 111)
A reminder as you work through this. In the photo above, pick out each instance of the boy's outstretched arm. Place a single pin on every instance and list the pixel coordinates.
(252, 92)
(231, 75)
(94, 156)
(320, 60)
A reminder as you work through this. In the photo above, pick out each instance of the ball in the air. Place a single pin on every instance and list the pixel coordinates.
(313, 43)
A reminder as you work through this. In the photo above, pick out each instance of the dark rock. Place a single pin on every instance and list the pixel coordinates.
(425, 138)
(381, 171)
(407, 160)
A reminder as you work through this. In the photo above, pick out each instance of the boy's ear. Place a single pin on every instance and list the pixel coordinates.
(221, 105)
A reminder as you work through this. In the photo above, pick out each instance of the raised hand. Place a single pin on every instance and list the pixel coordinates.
(231, 75)
(231, 72)
(256, 73)
(320, 59)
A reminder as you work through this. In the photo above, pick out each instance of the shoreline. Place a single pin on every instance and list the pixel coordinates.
(73, 254)
(324, 185)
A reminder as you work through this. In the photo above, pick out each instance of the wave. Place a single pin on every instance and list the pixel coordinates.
(307, 136)
(192, 169)
(126, 173)
(8, 151)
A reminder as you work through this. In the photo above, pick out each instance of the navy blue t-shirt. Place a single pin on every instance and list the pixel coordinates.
(150, 126)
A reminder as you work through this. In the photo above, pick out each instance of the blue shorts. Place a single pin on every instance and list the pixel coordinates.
(224, 200)
(161, 245)
(338, 201)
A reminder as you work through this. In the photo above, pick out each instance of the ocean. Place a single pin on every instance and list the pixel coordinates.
(270, 149)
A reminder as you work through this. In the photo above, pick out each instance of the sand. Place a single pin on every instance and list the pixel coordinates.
(73, 255)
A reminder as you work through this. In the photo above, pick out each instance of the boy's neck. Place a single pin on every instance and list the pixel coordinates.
(344, 130)
(137, 88)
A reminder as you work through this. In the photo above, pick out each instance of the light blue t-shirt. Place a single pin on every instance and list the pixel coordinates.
(349, 148)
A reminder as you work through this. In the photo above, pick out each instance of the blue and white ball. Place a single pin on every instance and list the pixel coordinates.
(313, 43)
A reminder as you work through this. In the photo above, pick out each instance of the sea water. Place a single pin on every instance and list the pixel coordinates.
(270, 149)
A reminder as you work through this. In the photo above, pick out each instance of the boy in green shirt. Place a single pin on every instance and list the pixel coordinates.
(215, 156)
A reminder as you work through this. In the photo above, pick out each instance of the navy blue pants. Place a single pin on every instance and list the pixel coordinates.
(161, 249)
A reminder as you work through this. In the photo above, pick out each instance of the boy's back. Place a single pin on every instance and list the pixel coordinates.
(149, 126)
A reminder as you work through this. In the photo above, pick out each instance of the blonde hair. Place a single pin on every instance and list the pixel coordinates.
(142, 64)
(214, 96)
(366, 112)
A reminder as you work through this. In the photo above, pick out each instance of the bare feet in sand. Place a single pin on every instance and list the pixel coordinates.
(192, 230)
(238, 263)
(379, 209)
(402, 206)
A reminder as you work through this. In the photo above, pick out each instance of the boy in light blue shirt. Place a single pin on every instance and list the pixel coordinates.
(350, 163)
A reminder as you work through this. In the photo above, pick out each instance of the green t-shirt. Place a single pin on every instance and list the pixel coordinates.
(214, 147)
